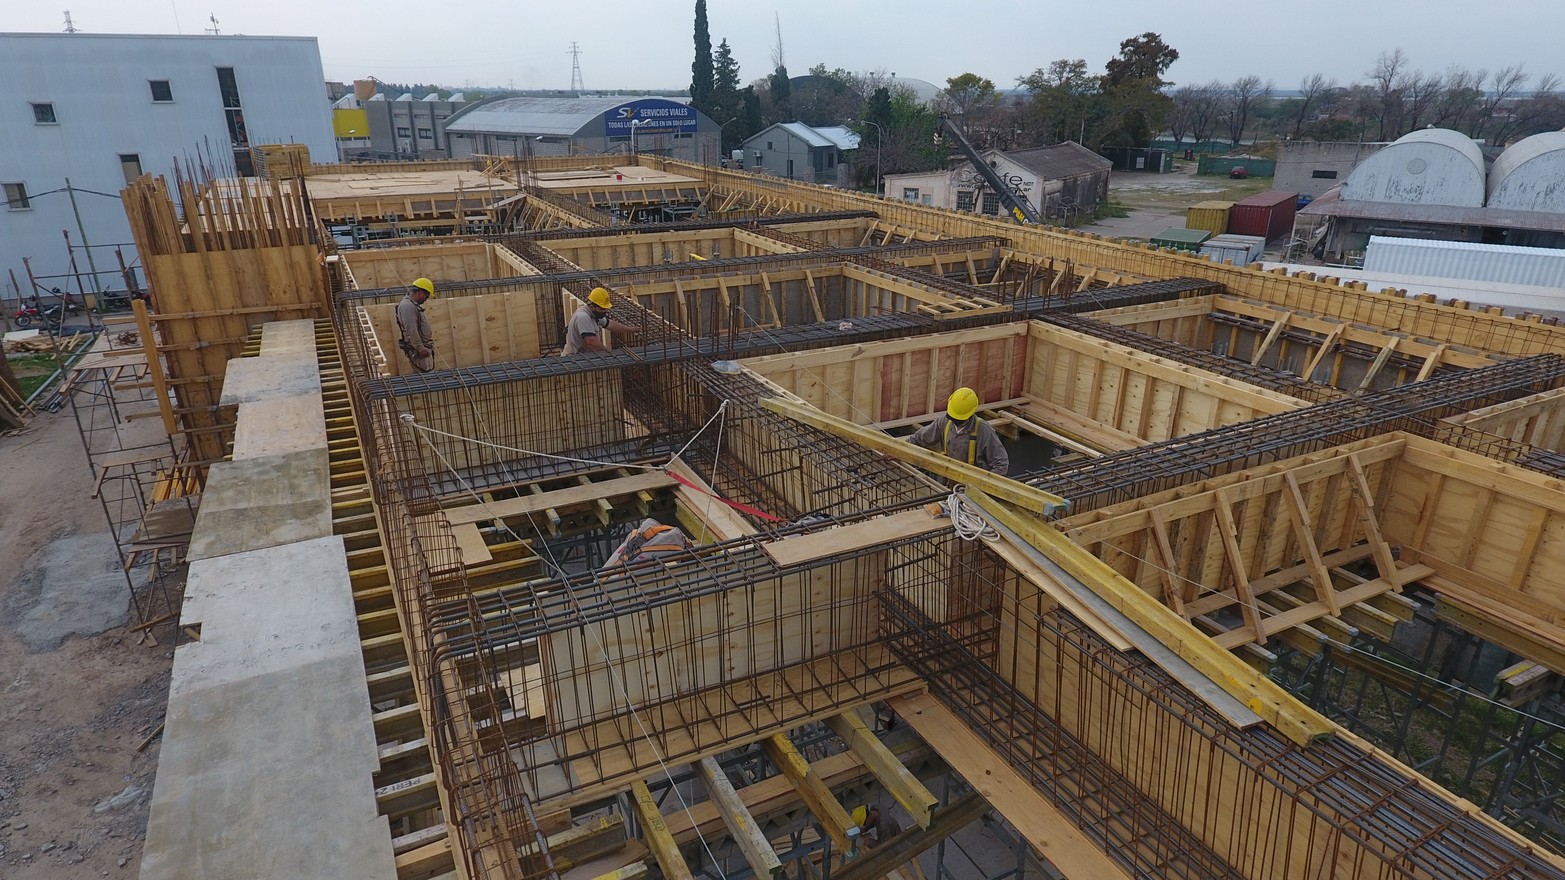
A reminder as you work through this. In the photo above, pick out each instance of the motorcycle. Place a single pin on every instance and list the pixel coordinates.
(27, 314)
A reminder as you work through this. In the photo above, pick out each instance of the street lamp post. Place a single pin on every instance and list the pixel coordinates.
(880, 135)
(635, 124)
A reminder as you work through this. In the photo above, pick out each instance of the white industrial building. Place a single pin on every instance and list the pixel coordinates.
(1436, 184)
(1060, 181)
(98, 110)
(545, 126)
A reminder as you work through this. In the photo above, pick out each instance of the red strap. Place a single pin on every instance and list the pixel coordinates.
(742, 508)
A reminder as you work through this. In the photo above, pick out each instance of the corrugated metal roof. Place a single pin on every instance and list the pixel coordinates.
(552, 116)
(1504, 218)
(845, 138)
(805, 133)
(1508, 264)
(1268, 199)
(1432, 166)
(1068, 159)
(1530, 174)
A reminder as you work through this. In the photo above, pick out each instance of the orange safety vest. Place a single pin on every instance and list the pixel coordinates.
(972, 441)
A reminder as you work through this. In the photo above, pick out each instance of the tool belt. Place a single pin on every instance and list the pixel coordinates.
(635, 542)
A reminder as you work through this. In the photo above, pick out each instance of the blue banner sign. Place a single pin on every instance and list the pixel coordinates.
(651, 116)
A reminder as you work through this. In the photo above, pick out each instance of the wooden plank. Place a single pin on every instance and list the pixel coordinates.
(1049, 831)
(848, 539)
(656, 834)
(471, 542)
(840, 827)
(574, 495)
(741, 825)
(1237, 565)
(905, 847)
(897, 779)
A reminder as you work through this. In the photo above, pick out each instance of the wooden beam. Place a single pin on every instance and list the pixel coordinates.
(897, 779)
(1271, 337)
(1020, 494)
(741, 825)
(1039, 822)
(1380, 361)
(1320, 353)
(840, 827)
(1431, 362)
(655, 832)
(1237, 565)
(1299, 516)
(589, 493)
(1263, 696)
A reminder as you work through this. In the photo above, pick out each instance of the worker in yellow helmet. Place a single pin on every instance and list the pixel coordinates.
(963, 436)
(418, 340)
(582, 331)
(875, 827)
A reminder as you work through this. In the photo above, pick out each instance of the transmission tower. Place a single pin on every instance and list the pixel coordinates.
(70, 26)
(577, 85)
(213, 29)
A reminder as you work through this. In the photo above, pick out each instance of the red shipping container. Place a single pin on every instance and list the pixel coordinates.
(1267, 214)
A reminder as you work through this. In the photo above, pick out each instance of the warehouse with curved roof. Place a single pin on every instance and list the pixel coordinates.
(547, 126)
(1435, 166)
(1530, 175)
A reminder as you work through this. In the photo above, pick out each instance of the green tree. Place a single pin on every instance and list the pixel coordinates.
(702, 82)
(782, 95)
(1064, 100)
(1134, 103)
(727, 101)
(971, 98)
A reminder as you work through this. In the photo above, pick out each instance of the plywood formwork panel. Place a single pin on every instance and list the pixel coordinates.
(397, 267)
(602, 670)
(1494, 528)
(1538, 420)
(492, 424)
(485, 328)
(1134, 392)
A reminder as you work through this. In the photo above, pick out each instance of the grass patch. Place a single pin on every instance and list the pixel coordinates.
(1110, 208)
(32, 370)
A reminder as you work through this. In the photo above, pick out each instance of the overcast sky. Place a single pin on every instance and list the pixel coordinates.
(646, 44)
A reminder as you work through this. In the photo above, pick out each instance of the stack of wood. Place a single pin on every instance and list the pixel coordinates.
(11, 405)
(31, 345)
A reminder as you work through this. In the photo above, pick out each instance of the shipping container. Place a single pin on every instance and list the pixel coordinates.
(1508, 264)
(1211, 216)
(1241, 250)
(1267, 214)
(1181, 239)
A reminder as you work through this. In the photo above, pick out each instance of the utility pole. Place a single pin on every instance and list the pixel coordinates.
(91, 264)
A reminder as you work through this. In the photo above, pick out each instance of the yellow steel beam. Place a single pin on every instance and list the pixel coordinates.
(1020, 494)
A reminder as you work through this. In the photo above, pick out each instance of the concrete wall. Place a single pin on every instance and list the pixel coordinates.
(98, 85)
(399, 127)
(1312, 167)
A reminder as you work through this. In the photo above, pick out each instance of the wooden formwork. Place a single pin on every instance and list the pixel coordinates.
(464, 261)
(1322, 295)
(651, 249)
(1538, 420)
(1031, 375)
(1328, 350)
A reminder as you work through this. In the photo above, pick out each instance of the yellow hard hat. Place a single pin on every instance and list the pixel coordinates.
(859, 815)
(600, 298)
(962, 405)
(425, 285)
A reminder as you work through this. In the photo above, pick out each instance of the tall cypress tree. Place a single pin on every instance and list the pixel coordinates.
(701, 80)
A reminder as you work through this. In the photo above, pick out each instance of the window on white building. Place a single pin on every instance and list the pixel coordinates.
(909, 193)
(425, 133)
(162, 92)
(929, 199)
(130, 166)
(403, 131)
(43, 113)
(1318, 174)
(964, 200)
(991, 204)
(16, 197)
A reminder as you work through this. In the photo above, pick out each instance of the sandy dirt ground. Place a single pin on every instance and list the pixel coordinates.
(78, 694)
(1158, 201)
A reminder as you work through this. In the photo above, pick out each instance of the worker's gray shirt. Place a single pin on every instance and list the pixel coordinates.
(991, 454)
(413, 325)
(664, 543)
(581, 325)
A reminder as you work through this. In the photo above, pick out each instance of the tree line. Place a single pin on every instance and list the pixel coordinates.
(1126, 103)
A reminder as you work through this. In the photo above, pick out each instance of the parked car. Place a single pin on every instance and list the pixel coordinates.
(1238, 172)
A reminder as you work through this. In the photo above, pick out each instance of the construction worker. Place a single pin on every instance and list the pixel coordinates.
(963, 436)
(581, 332)
(417, 340)
(875, 827)
(650, 540)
